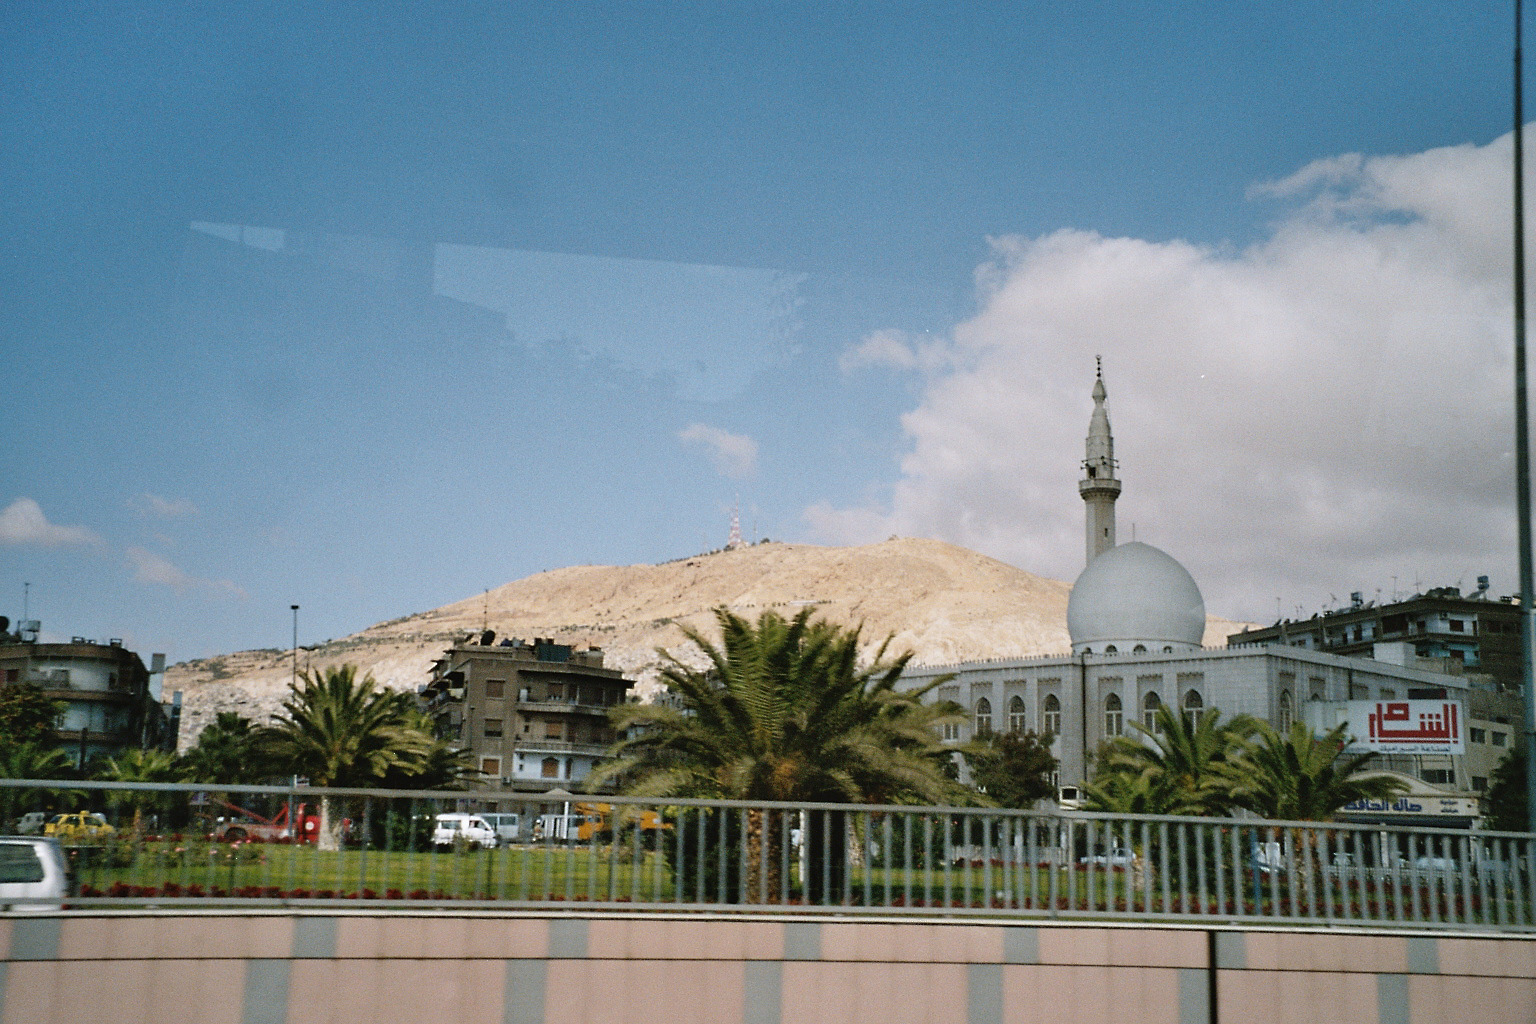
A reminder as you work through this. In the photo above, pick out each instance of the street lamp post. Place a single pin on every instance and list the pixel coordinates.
(295, 645)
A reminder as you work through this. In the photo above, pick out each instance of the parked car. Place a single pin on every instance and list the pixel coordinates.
(81, 825)
(467, 828)
(1119, 857)
(1435, 865)
(33, 874)
(506, 826)
(31, 823)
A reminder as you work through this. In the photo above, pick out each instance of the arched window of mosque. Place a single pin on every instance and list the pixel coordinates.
(1050, 718)
(1114, 715)
(1194, 705)
(1167, 648)
(1016, 722)
(1285, 712)
(550, 768)
(1139, 649)
(1149, 705)
(1111, 649)
(983, 717)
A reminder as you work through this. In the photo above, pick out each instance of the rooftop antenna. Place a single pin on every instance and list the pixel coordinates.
(26, 591)
(485, 610)
(1394, 589)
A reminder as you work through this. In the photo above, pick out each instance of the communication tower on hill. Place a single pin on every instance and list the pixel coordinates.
(735, 540)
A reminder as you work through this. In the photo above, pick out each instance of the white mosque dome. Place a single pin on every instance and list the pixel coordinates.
(1135, 596)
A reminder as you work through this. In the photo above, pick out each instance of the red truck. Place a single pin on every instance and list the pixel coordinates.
(251, 825)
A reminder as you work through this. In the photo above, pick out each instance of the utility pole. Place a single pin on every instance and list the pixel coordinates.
(1523, 453)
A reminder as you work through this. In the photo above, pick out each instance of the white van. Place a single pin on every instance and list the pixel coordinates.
(506, 826)
(468, 828)
(33, 874)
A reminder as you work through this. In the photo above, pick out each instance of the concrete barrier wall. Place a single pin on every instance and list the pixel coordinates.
(287, 968)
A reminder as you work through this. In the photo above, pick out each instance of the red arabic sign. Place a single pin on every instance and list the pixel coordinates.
(1406, 726)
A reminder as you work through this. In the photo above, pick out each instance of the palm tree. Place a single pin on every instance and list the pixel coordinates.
(442, 765)
(1301, 777)
(1181, 759)
(341, 731)
(226, 752)
(27, 760)
(1128, 792)
(783, 712)
(140, 766)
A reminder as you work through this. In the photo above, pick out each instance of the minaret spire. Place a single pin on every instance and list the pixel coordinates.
(1099, 486)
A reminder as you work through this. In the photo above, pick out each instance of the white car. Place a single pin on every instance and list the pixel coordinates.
(467, 828)
(1119, 857)
(33, 874)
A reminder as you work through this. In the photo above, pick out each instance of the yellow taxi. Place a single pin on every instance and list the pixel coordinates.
(77, 826)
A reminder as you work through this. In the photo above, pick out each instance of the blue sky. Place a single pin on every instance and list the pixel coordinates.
(368, 309)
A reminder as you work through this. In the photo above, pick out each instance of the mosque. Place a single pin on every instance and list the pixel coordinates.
(1137, 622)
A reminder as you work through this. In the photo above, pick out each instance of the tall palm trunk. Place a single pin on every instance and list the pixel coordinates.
(765, 846)
(330, 827)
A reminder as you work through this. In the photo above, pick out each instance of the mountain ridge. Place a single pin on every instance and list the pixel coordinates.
(942, 602)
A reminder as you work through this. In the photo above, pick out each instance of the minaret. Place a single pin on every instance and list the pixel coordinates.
(1099, 485)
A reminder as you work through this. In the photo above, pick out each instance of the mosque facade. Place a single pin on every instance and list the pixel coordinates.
(1137, 621)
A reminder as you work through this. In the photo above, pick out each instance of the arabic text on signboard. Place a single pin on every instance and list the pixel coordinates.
(1406, 726)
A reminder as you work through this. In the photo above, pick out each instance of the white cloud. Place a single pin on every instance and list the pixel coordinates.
(161, 508)
(1315, 414)
(896, 350)
(23, 522)
(734, 455)
(151, 567)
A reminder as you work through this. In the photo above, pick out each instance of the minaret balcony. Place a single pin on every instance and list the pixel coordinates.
(1107, 486)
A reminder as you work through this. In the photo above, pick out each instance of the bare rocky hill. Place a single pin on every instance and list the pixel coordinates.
(942, 602)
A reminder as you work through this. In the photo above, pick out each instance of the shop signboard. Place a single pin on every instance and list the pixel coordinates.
(1406, 726)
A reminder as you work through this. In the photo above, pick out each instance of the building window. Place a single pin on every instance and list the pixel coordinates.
(1016, 723)
(983, 717)
(1139, 649)
(1477, 735)
(557, 691)
(1387, 693)
(495, 689)
(493, 727)
(1050, 718)
(1114, 715)
(1111, 649)
(552, 730)
(1439, 776)
(1480, 783)
(951, 730)
(491, 766)
(1458, 626)
(1500, 738)
(1286, 714)
(1194, 706)
(1149, 705)
(549, 768)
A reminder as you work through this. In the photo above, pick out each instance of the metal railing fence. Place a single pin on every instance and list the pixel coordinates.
(172, 844)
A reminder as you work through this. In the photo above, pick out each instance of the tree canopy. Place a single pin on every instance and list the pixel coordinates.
(1175, 769)
(1302, 777)
(227, 752)
(338, 730)
(1012, 769)
(783, 711)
